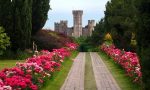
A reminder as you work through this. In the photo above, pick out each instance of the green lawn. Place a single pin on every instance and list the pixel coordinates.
(8, 63)
(89, 79)
(118, 73)
(59, 77)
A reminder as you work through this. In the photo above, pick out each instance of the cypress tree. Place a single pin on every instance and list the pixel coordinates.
(20, 18)
(22, 24)
(40, 10)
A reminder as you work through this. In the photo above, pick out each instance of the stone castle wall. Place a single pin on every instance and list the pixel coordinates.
(77, 30)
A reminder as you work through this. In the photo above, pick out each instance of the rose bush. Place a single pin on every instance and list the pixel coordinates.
(31, 74)
(129, 61)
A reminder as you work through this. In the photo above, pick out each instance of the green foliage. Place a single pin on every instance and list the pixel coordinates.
(85, 45)
(143, 40)
(22, 55)
(20, 18)
(22, 25)
(120, 21)
(40, 10)
(80, 40)
(91, 44)
(6, 16)
(4, 40)
(18, 55)
(15, 17)
(98, 34)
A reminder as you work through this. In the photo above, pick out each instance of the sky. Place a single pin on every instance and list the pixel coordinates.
(62, 10)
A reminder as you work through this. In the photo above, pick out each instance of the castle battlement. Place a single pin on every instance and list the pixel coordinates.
(77, 30)
(91, 21)
(63, 21)
(56, 23)
(77, 12)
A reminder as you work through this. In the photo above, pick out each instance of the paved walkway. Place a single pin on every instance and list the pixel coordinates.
(103, 77)
(75, 79)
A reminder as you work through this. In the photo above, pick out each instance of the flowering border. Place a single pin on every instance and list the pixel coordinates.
(31, 74)
(129, 61)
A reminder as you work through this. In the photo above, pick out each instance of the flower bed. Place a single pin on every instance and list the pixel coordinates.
(32, 74)
(127, 60)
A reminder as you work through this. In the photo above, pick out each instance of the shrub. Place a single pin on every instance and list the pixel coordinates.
(46, 39)
(21, 55)
(4, 40)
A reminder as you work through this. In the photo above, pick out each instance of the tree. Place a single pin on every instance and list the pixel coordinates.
(99, 32)
(22, 17)
(143, 40)
(16, 17)
(40, 10)
(120, 21)
(4, 40)
(6, 16)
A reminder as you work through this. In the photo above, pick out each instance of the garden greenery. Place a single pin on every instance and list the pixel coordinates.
(4, 40)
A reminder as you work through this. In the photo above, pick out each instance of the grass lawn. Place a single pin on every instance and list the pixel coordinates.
(8, 63)
(89, 79)
(58, 78)
(118, 73)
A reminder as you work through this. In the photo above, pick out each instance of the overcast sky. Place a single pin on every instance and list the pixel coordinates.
(62, 10)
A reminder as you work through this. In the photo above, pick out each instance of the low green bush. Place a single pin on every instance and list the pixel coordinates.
(21, 55)
(4, 40)
(18, 55)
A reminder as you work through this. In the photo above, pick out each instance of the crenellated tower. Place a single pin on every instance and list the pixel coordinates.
(77, 25)
(56, 24)
(61, 26)
(91, 24)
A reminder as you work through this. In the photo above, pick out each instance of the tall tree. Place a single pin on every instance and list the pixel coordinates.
(119, 20)
(143, 40)
(99, 32)
(6, 18)
(40, 10)
(22, 23)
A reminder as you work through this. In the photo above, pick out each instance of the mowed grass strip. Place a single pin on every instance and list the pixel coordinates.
(58, 78)
(119, 74)
(89, 80)
(8, 63)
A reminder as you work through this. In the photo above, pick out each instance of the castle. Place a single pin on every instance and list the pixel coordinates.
(77, 30)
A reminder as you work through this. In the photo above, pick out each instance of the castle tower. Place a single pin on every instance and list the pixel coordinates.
(77, 19)
(61, 27)
(56, 28)
(91, 24)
